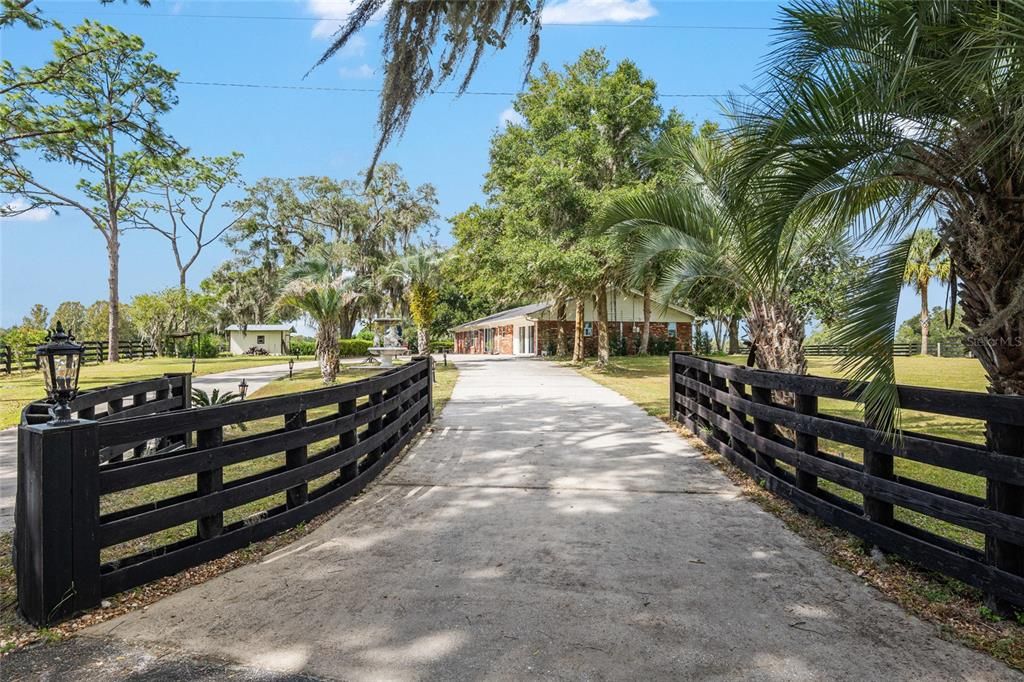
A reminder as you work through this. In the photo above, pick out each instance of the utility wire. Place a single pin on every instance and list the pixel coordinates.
(340, 20)
(488, 93)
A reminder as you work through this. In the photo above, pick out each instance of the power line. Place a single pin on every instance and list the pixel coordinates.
(340, 20)
(485, 93)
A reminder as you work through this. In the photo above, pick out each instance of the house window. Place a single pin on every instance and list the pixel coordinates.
(261, 339)
(671, 330)
(588, 329)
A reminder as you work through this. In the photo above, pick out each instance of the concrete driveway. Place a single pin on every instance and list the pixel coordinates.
(545, 528)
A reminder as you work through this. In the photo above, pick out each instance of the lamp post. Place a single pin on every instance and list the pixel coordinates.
(61, 359)
(291, 366)
(193, 363)
(243, 386)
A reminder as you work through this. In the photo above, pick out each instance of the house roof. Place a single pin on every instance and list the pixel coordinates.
(509, 314)
(260, 328)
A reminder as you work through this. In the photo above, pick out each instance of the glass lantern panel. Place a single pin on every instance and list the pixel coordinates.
(44, 362)
(65, 371)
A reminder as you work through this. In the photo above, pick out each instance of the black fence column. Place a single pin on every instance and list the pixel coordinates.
(184, 392)
(719, 384)
(672, 385)
(1006, 439)
(295, 458)
(738, 389)
(57, 519)
(878, 464)
(373, 428)
(137, 400)
(210, 482)
(762, 427)
(428, 373)
(347, 440)
(806, 443)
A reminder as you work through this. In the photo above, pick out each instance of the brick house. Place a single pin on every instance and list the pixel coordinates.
(533, 329)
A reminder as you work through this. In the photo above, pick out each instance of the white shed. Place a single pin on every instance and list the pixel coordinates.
(273, 338)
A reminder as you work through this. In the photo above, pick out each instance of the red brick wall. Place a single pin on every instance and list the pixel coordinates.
(547, 333)
(472, 342)
(503, 339)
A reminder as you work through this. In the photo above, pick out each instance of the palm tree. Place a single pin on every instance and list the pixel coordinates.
(924, 265)
(420, 272)
(705, 232)
(321, 287)
(915, 108)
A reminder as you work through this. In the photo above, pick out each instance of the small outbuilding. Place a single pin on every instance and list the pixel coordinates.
(273, 338)
(533, 329)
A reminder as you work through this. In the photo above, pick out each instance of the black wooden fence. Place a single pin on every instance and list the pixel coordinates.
(61, 482)
(95, 351)
(757, 431)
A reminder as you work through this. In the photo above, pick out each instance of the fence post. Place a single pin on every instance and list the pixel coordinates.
(806, 443)
(57, 518)
(877, 464)
(737, 389)
(210, 481)
(185, 393)
(347, 440)
(372, 428)
(137, 400)
(719, 384)
(672, 385)
(763, 428)
(295, 458)
(1006, 439)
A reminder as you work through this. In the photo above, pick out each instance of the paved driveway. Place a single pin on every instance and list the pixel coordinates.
(547, 528)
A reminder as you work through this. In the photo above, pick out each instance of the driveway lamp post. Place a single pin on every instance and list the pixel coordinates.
(291, 366)
(243, 386)
(61, 359)
(193, 363)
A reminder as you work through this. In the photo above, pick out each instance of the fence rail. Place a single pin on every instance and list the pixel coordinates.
(368, 423)
(95, 351)
(745, 415)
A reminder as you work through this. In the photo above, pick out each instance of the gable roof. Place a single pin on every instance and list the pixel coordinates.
(509, 314)
(261, 328)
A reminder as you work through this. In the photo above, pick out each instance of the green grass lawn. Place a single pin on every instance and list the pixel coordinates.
(20, 388)
(644, 380)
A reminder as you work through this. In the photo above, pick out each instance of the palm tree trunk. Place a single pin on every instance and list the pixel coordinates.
(577, 346)
(327, 352)
(924, 319)
(777, 333)
(645, 336)
(561, 342)
(601, 305)
(423, 340)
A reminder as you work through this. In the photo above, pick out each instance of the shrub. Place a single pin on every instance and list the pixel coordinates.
(203, 346)
(661, 346)
(353, 348)
(256, 350)
(301, 346)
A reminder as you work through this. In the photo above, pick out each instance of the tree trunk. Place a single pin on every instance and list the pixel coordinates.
(777, 333)
(645, 336)
(577, 346)
(924, 319)
(601, 305)
(734, 334)
(327, 352)
(561, 342)
(985, 241)
(423, 340)
(114, 315)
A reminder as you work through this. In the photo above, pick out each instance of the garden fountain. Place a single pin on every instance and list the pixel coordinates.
(386, 342)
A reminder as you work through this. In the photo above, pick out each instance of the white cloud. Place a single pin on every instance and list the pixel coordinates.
(177, 7)
(594, 11)
(361, 71)
(510, 117)
(32, 215)
(333, 14)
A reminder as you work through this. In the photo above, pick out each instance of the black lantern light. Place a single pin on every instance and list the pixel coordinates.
(61, 359)
(243, 386)
(291, 366)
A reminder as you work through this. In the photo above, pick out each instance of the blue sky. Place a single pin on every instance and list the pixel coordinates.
(288, 133)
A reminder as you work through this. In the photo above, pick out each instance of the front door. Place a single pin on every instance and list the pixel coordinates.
(525, 341)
